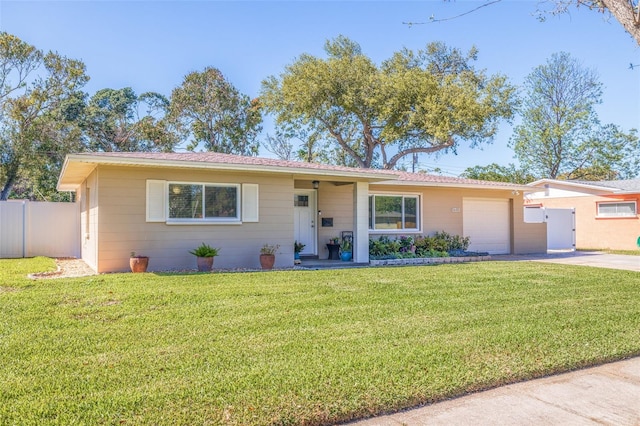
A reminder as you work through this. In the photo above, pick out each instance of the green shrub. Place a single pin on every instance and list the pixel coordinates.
(440, 244)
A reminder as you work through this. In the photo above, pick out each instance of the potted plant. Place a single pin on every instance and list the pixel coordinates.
(346, 250)
(297, 248)
(138, 263)
(268, 256)
(204, 257)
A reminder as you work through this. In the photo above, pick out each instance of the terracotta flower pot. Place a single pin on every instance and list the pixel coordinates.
(205, 264)
(267, 261)
(138, 263)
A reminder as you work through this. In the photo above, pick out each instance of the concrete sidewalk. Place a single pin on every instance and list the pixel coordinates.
(603, 395)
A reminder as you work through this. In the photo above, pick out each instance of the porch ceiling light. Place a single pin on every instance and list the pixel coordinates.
(315, 184)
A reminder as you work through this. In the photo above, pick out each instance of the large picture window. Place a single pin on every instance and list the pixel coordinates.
(621, 209)
(393, 212)
(213, 202)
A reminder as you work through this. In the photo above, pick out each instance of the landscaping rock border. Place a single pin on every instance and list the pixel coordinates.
(427, 260)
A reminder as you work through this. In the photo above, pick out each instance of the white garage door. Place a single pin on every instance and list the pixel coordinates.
(486, 222)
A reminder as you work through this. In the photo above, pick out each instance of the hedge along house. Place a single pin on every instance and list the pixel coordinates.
(164, 204)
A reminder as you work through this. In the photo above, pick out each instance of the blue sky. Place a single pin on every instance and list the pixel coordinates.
(151, 45)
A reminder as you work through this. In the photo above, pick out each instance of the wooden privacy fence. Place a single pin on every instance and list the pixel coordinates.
(39, 229)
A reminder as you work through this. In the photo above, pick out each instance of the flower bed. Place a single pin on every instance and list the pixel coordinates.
(438, 248)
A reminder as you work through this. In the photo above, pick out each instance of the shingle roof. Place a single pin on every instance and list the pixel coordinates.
(625, 185)
(424, 177)
(218, 158)
(244, 162)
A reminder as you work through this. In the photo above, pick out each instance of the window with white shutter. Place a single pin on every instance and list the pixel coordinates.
(156, 200)
(250, 207)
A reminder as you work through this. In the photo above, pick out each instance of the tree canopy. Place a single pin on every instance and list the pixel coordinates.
(113, 121)
(39, 99)
(560, 134)
(415, 102)
(497, 173)
(211, 112)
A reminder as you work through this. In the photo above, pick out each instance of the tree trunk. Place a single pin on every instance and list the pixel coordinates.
(623, 12)
(6, 190)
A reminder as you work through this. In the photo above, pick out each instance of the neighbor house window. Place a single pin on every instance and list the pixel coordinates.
(621, 209)
(393, 212)
(206, 202)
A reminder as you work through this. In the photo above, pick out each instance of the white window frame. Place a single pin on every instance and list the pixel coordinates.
(610, 216)
(416, 230)
(206, 220)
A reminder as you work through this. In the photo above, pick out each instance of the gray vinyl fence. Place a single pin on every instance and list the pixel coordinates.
(30, 229)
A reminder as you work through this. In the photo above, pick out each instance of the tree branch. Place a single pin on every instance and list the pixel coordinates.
(433, 19)
(392, 163)
(342, 143)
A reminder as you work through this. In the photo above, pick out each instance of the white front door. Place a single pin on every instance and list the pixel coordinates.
(304, 220)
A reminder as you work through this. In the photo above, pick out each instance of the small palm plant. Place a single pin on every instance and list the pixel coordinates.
(298, 247)
(205, 254)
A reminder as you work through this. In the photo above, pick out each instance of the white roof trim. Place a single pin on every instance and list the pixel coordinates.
(508, 187)
(572, 184)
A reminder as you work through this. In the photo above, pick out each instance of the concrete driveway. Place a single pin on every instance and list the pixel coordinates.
(583, 258)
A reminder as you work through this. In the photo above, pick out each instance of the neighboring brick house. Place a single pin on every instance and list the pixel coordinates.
(606, 212)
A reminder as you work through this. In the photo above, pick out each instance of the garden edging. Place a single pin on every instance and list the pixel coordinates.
(427, 260)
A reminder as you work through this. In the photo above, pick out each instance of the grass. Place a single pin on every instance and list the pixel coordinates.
(296, 347)
(609, 251)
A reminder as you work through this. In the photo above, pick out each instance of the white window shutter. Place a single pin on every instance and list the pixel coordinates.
(156, 200)
(250, 202)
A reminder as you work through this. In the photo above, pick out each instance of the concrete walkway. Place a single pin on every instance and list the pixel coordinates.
(604, 395)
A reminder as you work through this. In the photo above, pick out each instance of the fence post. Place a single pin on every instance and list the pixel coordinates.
(24, 228)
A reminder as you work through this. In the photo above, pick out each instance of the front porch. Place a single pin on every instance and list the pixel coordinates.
(328, 210)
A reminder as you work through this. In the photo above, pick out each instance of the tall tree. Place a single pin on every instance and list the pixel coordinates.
(560, 132)
(39, 94)
(120, 120)
(415, 102)
(214, 115)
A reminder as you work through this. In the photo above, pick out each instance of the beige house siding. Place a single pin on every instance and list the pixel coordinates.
(123, 227)
(599, 233)
(526, 238)
(441, 210)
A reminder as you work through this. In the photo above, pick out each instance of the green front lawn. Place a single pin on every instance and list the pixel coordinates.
(296, 347)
